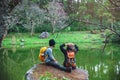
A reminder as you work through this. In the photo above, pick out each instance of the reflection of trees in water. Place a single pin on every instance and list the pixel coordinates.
(99, 66)
(14, 66)
(32, 55)
(3, 62)
(5, 54)
(103, 66)
(7, 65)
(13, 48)
(103, 71)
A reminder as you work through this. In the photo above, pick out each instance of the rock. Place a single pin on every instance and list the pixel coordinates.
(102, 30)
(22, 40)
(93, 32)
(103, 35)
(41, 69)
(44, 35)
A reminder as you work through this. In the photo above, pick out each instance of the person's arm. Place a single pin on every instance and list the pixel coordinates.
(62, 48)
(76, 48)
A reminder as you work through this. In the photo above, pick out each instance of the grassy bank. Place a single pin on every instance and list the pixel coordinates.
(75, 37)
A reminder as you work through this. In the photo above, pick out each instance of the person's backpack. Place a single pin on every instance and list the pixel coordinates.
(41, 54)
(71, 59)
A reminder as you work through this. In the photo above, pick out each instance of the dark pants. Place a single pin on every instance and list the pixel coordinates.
(56, 65)
(65, 65)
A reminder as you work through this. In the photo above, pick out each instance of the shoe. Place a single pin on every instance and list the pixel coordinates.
(73, 68)
(69, 69)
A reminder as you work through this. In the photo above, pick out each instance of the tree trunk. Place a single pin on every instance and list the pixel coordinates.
(5, 7)
(53, 30)
(32, 28)
(69, 6)
(3, 13)
(53, 26)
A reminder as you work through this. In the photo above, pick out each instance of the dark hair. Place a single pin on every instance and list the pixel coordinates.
(70, 48)
(51, 42)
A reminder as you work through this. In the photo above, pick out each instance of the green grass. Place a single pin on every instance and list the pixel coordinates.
(49, 76)
(63, 37)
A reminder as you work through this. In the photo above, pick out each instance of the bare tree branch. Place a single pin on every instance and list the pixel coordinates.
(106, 40)
(115, 32)
(115, 2)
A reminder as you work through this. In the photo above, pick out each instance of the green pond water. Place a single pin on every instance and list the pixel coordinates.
(16, 61)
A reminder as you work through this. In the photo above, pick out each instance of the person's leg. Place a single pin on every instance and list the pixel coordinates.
(74, 66)
(64, 64)
(57, 65)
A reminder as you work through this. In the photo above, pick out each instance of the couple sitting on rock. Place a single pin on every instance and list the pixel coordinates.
(69, 54)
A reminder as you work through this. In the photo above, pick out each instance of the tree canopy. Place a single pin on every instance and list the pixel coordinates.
(59, 14)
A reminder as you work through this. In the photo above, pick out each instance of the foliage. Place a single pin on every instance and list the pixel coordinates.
(91, 11)
(108, 32)
(32, 15)
(56, 15)
(28, 16)
(75, 37)
(42, 3)
(46, 26)
(116, 37)
(104, 13)
(47, 76)
(17, 29)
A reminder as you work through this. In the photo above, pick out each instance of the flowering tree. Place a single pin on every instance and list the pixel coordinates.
(28, 15)
(56, 15)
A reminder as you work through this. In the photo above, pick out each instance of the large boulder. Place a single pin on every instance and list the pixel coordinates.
(41, 69)
(44, 35)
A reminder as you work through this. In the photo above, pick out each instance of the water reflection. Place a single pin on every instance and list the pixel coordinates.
(14, 64)
(101, 66)
(117, 69)
(15, 61)
(103, 71)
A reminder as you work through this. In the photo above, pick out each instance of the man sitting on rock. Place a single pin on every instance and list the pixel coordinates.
(51, 61)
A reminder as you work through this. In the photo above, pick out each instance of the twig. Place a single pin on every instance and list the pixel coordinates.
(106, 42)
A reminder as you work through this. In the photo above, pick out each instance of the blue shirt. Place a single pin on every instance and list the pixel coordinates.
(49, 55)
